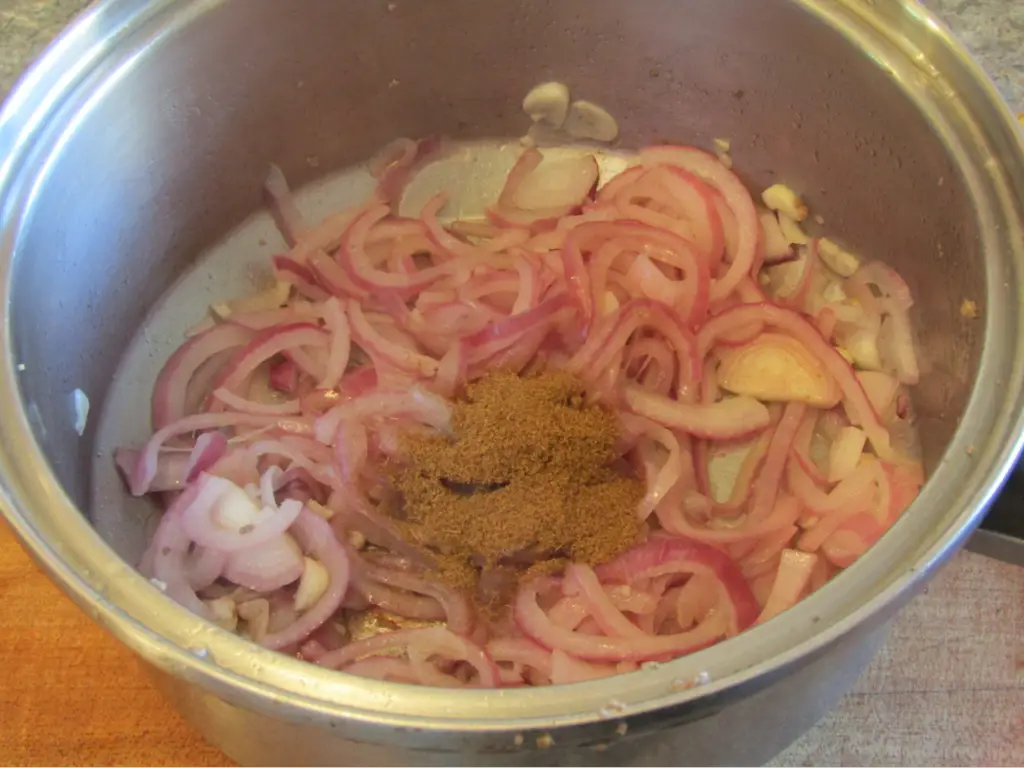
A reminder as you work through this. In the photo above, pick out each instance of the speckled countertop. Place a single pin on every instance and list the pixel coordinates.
(946, 689)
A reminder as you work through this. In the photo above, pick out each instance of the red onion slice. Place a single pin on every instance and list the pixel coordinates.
(282, 207)
(431, 640)
(225, 518)
(171, 390)
(532, 619)
(727, 419)
(737, 197)
(265, 567)
(264, 346)
(316, 538)
(790, 582)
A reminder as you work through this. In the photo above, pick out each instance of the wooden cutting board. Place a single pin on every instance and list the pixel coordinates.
(69, 693)
(947, 689)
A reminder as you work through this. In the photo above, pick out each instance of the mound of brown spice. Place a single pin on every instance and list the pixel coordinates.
(527, 478)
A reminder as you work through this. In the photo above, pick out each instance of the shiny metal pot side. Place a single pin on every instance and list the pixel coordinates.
(143, 134)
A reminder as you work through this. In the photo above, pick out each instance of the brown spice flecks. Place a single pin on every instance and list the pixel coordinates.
(528, 470)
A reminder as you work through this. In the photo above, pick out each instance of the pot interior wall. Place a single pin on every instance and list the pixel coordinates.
(171, 156)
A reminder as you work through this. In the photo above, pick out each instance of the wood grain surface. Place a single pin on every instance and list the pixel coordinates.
(947, 689)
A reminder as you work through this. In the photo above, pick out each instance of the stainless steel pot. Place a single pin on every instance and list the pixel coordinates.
(143, 134)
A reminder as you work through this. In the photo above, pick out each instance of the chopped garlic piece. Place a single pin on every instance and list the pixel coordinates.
(589, 121)
(356, 539)
(969, 309)
(846, 354)
(271, 298)
(223, 612)
(841, 262)
(793, 232)
(722, 150)
(833, 292)
(312, 585)
(81, 402)
(548, 103)
(864, 351)
(325, 512)
(781, 198)
(221, 309)
(609, 303)
(256, 614)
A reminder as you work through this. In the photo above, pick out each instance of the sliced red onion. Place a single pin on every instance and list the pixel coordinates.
(171, 468)
(417, 404)
(500, 335)
(365, 277)
(397, 164)
(845, 453)
(532, 619)
(790, 582)
(521, 651)
(611, 335)
(568, 612)
(610, 619)
(170, 392)
(264, 346)
(380, 668)
(696, 201)
(267, 566)
(203, 567)
(766, 489)
(289, 271)
(567, 669)
(284, 377)
(377, 346)
(167, 554)
(225, 518)
(431, 640)
(400, 603)
(457, 611)
(243, 405)
(664, 548)
(451, 370)
(317, 539)
(341, 343)
(727, 419)
(660, 480)
(282, 207)
(737, 197)
(146, 466)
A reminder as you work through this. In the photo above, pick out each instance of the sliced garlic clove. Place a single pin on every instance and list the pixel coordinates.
(312, 585)
(587, 120)
(256, 614)
(223, 612)
(793, 232)
(781, 198)
(841, 262)
(548, 103)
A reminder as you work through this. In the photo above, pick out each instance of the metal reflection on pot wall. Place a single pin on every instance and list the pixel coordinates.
(832, 96)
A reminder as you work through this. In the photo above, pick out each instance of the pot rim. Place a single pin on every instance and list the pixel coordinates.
(60, 539)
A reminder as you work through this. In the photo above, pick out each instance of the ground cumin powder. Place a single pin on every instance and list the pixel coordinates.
(528, 469)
